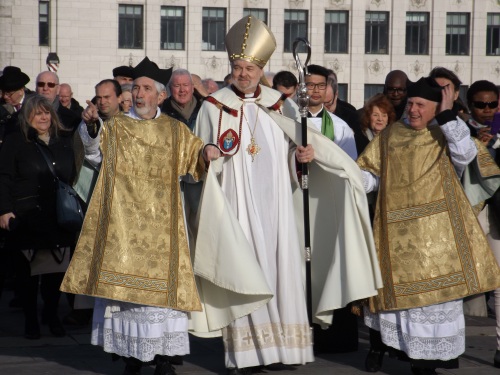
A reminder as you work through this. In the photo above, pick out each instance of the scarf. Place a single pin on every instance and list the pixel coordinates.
(185, 111)
(327, 125)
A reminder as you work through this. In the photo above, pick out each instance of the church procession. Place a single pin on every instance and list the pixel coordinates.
(257, 222)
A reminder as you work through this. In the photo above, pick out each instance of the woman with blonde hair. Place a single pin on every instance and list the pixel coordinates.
(28, 209)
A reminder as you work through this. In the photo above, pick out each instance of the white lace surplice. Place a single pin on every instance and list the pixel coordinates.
(140, 331)
(435, 332)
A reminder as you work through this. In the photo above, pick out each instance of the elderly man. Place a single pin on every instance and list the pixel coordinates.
(247, 122)
(47, 84)
(182, 104)
(344, 110)
(431, 249)
(13, 87)
(66, 99)
(134, 230)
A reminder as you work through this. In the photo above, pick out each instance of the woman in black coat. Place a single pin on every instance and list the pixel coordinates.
(28, 208)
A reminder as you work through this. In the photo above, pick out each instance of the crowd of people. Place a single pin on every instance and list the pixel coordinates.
(194, 215)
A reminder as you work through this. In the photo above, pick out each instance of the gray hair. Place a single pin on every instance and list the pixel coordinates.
(180, 72)
(127, 87)
(332, 81)
(160, 87)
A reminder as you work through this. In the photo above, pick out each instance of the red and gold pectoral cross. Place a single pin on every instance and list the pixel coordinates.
(253, 148)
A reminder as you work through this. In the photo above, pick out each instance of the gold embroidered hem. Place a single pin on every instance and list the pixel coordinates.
(133, 244)
(429, 243)
(263, 336)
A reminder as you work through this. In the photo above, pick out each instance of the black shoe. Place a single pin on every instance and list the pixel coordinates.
(423, 371)
(133, 366)
(32, 334)
(78, 317)
(31, 328)
(373, 361)
(496, 359)
(163, 366)
(56, 328)
(238, 371)
(175, 360)
(279, 367)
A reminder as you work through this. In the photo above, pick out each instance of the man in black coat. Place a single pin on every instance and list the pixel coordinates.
(14, 92)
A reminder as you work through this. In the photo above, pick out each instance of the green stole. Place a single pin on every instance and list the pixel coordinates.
(327, 125)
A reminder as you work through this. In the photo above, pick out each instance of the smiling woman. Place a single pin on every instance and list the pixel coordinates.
(28, 209)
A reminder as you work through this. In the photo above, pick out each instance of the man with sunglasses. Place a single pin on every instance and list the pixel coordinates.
(47, 85)
(482, 98)
(326, 122)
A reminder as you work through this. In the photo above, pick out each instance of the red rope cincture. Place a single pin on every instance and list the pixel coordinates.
(222, 107)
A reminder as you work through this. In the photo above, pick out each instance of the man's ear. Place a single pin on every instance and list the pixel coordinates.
(162, 97)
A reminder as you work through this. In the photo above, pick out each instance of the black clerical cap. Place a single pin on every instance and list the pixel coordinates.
(123, 71)
(13, 79)
(427, 88)
(147, 68)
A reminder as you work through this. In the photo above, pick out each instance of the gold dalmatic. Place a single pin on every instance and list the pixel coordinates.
(133, 245)
(253, 148)
(430, 246)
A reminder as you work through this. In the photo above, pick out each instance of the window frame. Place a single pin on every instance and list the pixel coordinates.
(418, 28)
(179, 27)
(492, 35)
(342, 32)
(43, 24)
(371, 89)
(450, 42)
(292, 29)
(255, 13)
(206, 29)
(129, 25)
(377, 27)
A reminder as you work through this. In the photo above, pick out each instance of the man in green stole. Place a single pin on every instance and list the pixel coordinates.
(431, 249)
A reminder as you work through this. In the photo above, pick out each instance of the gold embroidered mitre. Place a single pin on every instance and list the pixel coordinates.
(251, 40)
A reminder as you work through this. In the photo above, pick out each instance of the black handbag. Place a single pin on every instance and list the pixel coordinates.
(68, 209)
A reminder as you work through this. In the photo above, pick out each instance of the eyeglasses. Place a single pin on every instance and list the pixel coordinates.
(312, 86)
(395, 90)
(482, 105)
(126, 101)
(42, 84)
(9, 94)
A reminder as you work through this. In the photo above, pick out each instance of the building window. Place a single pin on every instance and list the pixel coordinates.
(371, 90)
(417, 33)
(43, 23)
(493, 34)
(214, 29)
(342, 91)
(295, 26)
(457, 33)
(130, 26)
(260, 14)
(336, 31)
(172, 27)
(377, 32)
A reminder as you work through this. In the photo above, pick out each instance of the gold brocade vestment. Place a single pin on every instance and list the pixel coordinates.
(133, 244)
(430, 246)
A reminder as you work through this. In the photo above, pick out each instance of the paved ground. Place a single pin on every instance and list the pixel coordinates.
(73, 354)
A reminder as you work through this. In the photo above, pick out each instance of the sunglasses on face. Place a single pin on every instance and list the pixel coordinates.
(50, 84)
(482, 105)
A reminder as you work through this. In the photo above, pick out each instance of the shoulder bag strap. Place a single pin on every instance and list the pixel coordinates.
(47, 159)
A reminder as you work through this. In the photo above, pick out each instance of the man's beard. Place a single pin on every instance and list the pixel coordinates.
(143, 111)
